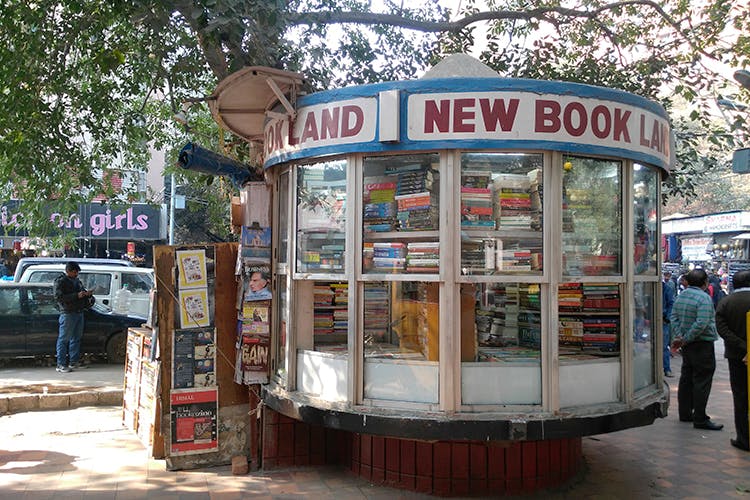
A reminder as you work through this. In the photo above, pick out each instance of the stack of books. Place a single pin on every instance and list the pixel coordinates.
(601, 298)
(476, 200)
(377, 312)
(571, 332)
(600, 334)
(536, 193)
(388, 256)
(512, 201)
(379, 212)
(570, 297)
(322, 295)
(512, 259)
(416, 199)
(423, 257)
(529, 315)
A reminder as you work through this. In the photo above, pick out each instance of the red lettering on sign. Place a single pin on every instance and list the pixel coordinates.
(351, 128)
(598, 115)
(568, 121)
(499, 113)
(547, 116)
(436, 116)
(293, 141)
(644, 140)
(329, 126)
(310, 130)
(461, 115)
(277, 143)
(621, 125)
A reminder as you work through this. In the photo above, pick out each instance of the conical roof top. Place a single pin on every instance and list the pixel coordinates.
(460, 66)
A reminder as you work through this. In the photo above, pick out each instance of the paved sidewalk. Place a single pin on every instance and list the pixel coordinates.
(24, 387)
(85, 453)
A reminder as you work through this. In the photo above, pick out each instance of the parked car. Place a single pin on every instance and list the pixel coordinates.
(26, 262)
(106, 282)
(29, 324)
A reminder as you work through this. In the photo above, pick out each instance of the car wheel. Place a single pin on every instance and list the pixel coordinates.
(116, 348)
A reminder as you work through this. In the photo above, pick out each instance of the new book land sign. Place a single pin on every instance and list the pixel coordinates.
(599, 120)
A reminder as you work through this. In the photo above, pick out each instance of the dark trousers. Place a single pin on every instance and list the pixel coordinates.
(698, 366)
(738, 382)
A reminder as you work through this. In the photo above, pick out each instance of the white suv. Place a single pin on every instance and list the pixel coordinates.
(105, 281)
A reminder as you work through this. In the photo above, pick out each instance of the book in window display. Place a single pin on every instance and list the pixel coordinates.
(512, 201)
(377, 312)
(423, 257)
(379, 211)
(476, 201)
(330, 314)
(529, 315)
(388, 256)
(416, 197)
(589, 321)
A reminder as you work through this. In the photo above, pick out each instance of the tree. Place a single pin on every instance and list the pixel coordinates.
(87, 84)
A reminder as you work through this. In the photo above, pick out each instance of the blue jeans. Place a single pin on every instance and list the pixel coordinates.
(666, 354)
(69, 338)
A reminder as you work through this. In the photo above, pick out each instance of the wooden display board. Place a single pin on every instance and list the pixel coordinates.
(140, 404)
(218, 318)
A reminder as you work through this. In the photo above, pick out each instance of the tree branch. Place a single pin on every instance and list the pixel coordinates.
(546, 14)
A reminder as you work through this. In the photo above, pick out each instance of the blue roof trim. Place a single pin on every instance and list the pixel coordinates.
(439, 85)
(469, 145)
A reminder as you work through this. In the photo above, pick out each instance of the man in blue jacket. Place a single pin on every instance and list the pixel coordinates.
(72, 299)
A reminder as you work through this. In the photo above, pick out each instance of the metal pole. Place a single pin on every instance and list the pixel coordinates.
(171, 210)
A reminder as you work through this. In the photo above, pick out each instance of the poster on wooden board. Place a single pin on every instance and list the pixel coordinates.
(194, 358)
(192, 269)
(194, 418)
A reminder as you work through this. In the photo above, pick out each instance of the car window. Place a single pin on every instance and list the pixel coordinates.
(44, 276)
(41, 301)
(99, 283)
(137, 283)
(9, 302)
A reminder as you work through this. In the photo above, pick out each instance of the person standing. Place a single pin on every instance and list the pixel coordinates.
(667, 300)
(73, 299)
(731, 323)
(694, 329)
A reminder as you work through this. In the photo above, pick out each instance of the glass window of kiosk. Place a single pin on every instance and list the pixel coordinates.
(647, 280)
(320, 317)
(592, 215)
(501, 214)
(590, 296)
(644, 335)
(321, 217)
(281, 233)
(400, 268)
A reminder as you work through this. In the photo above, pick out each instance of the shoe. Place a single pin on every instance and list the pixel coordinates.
(708, 425)
(739, 445)
(668, 374)
(686, 419)
(64, 369)
(78, 366)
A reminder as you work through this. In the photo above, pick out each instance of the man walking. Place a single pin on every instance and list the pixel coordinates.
(72, 299)
(694, 329)
(731, 322)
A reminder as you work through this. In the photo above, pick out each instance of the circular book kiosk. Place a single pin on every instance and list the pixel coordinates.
(466, 273)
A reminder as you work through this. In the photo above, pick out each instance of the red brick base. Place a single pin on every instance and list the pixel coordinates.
(448, 468)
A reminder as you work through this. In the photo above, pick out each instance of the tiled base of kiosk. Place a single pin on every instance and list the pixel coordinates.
(447, 468)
